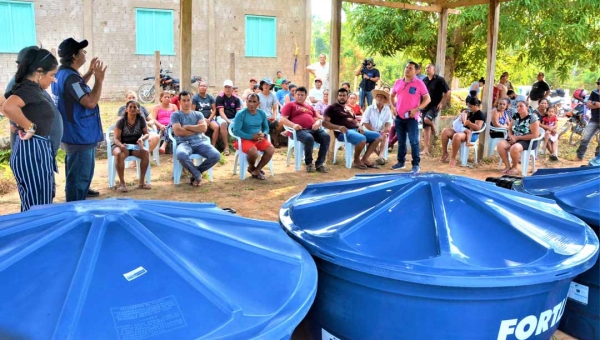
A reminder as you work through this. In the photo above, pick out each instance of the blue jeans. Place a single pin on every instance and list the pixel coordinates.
(79, 171)
(362, 95)
(308, 137)
(588, 133)
(198, 147)
(354, 137)
(408, 126)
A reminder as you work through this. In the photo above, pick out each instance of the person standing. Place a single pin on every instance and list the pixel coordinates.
(78, 106)
(320, 70)
(440, 93)
(593, 125)
(409, 96)
(370, 76)
(539, 90)
(32, 160)
(474, 89)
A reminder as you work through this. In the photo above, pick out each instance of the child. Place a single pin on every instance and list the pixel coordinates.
(551, 136)
(458, 126)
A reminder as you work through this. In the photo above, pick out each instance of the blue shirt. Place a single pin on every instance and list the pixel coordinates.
(191, 118)
(281, 96)
(247, 124)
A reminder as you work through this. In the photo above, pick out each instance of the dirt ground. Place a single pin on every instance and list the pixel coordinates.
(253, 198)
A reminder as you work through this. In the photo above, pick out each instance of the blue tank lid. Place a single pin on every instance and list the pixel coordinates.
(576, 190)
(125, 269)
(439, 229)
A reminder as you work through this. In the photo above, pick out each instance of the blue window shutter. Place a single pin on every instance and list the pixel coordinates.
(261, 36)
(17, 26)
(154, 31)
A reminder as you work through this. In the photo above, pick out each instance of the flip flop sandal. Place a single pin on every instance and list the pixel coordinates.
(122, 188)
(250, 171)
(145, 186)
(260, 177)
(360, 166)
(372, 166)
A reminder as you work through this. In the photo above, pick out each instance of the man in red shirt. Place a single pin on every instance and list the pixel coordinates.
(307, 123)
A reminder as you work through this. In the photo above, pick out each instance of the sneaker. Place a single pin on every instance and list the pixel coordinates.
(415, 169)
(553, 158)
(92, 193)
(398, 166)
(380, 161)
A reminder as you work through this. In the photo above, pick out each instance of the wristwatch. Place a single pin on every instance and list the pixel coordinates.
(32, 128)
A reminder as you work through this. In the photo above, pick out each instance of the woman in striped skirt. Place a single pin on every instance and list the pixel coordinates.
(32, 160)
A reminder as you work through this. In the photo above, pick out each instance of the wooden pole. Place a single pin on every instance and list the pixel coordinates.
(232, 67)
(334, 59)
(492, 47)
(185, 44)
(440, 58)
(157, 89)
(212, 48)
(306, 77)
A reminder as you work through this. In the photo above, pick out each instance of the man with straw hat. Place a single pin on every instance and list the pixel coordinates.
(378, 118)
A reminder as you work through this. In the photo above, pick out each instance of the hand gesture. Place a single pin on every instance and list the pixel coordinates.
(316, 125)
(123, 148)
(343, 129)
(92, 68)
(140, 142)
(365, 76)
(99, 71)
(297, 127)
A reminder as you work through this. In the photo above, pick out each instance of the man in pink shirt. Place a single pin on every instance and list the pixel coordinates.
(409, 95)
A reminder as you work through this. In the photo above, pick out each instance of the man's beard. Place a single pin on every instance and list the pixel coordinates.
(342, 102)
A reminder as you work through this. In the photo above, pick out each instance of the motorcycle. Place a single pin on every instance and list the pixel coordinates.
(556, 99)
(146, 92)
(576, 123)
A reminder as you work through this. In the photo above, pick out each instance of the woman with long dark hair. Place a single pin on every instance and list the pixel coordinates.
(32, 159)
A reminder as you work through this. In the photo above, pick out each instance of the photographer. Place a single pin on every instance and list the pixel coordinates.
(370, 77)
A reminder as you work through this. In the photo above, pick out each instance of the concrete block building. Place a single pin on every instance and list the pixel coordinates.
(232, 39)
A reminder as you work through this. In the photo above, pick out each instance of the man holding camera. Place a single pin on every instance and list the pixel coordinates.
(370, 77)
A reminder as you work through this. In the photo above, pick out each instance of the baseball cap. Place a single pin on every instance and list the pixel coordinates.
(227, 83)
(24, 51)
(254, 80)
(285, 81)
(598, 82)
(70, 46)
(318, 79)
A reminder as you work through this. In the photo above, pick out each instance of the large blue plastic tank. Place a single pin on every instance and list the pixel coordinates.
(576, 190)
(433, 256)
(129, 270)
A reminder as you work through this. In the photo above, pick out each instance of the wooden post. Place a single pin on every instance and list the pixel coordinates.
(53, 51)
(440, 58)
(157, 89)
(334, 60)
(185, 44)
(211, 37)
(492, 47)
(306, 77)
(232, 67)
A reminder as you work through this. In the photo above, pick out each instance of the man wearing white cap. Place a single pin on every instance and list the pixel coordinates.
(316, 93)
(227, 106)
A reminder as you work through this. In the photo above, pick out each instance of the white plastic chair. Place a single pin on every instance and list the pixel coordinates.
(298, 147)
(177, 167)
(464, 150)
(242, 158)
(493, 142)
(348, 149)
(112, 170)
(530, 153)
(385, 144)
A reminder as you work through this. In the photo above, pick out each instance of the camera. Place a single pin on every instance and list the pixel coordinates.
(365, 62)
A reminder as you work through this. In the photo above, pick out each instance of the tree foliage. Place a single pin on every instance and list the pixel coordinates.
(554, 35)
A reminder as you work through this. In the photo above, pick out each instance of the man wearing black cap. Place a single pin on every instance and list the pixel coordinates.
(370, 76)
(593, 125)
(78, 105)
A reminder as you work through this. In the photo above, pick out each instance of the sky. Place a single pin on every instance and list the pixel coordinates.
(321, 8)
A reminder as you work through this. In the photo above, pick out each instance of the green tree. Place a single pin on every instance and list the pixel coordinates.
(553, 35)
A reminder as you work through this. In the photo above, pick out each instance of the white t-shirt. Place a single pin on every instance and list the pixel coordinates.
(377, 119)
(267, 102)
(316, 93)
(321, 71)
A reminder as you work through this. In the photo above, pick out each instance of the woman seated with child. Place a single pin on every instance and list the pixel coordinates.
(462, 130)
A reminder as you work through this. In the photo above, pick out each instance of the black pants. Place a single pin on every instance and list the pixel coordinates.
(308, 137)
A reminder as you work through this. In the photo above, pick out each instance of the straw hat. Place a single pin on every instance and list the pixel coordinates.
(381, 92)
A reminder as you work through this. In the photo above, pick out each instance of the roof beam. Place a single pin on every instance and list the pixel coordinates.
(401, 5)
(463, 3)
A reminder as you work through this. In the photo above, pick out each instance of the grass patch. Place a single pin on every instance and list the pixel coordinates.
(7, 180)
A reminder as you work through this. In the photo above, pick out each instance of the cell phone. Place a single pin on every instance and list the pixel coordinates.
(406, 114)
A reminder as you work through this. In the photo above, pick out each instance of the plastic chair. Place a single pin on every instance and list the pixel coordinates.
(385, 144)
(112, 170)
(348, 148)
(241, 157)
(464, 150)
(493, 142)
(530, 153)
(298, 147)
(177, 167)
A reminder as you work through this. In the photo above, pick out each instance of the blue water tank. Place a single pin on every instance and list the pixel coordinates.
(576, 190)
(434, 256)
(129, 270)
